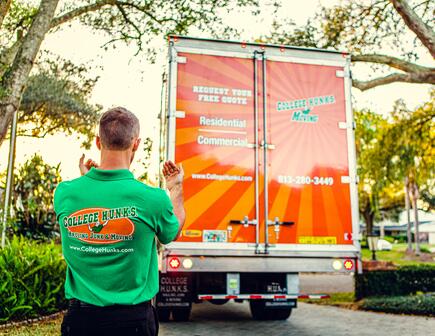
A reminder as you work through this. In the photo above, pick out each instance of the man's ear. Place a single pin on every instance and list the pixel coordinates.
(98, 142)
(136, 144)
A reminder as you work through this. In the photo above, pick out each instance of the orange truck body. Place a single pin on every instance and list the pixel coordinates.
(265, 135)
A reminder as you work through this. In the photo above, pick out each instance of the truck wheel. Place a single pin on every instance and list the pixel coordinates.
(280, 313)
(181, 314)
(259, 311)
(163, 314)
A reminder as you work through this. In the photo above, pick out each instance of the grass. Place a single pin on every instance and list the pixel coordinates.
(410, 304)
(396, 255)
(42, 328)
(336, 299)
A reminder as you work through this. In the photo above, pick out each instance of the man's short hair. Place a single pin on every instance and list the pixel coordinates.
(118, 128)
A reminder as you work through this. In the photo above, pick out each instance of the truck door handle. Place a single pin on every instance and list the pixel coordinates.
(245, 221)
(277, 222)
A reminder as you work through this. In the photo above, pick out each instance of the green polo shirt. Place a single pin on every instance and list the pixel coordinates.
(108, 222)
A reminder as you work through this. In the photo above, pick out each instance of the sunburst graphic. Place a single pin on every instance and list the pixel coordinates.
(301, 150)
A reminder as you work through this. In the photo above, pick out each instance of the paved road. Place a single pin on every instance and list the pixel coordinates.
(307, 320)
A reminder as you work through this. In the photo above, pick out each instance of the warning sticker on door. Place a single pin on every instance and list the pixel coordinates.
(214, 236)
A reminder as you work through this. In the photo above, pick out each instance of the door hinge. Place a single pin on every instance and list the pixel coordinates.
(177, 114)
(347, 125)
(343, 74)
(181, 59)
(349, 179)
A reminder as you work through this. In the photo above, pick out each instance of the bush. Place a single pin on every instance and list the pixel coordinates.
(32, 199)
(32, 276)
(418, 305)
(389, 239)
(403, 281)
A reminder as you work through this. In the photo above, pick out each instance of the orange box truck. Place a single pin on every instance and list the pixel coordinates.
(265, 134)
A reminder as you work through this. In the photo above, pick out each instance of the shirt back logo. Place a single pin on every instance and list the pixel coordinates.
(101, 225)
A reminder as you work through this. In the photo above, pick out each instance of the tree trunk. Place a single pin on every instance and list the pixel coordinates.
(408, 216)
(416, 223)
(14, 80)
(4, 8)
(369, 219)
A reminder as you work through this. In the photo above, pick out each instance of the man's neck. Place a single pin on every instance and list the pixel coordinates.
(111, 159)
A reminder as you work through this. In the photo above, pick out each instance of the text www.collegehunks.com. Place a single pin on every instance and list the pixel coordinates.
(103, 249)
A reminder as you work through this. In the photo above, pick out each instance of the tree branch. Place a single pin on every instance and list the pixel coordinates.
(15, 79)
(423, 31)
(391, 61)
(80, 11)
(4, 8)
(417, 78)
(7, 56)
(101, 3)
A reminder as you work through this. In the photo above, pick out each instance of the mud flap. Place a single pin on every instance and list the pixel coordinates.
(175, 291)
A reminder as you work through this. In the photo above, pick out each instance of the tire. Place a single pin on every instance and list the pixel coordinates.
(280, 313)
(181, 314)
(163, 314)
(259, 311)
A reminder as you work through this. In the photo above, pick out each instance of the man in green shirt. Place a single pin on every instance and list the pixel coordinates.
(109, 223)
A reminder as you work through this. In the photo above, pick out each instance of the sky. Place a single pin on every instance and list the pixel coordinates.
(132, 82)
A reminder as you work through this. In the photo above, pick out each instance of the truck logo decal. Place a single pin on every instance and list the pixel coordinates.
(304, 116)
(303, 107)
(101, 225)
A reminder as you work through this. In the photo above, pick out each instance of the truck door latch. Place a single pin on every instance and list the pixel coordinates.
(277, 223)
(245, 222)
(265, 145)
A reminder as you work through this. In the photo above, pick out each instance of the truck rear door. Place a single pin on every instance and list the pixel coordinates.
(213, 141)
(308, 180)
(265, 136)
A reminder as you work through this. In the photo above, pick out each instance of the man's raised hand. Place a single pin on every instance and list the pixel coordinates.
(173, 175)
(85, 167)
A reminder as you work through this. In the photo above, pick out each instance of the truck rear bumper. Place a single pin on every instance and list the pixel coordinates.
(261, 296)
(338, 262)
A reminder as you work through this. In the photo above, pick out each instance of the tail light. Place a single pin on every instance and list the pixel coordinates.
(348, 264)
(174, 263)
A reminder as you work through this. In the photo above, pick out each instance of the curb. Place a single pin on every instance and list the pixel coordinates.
(31, 321)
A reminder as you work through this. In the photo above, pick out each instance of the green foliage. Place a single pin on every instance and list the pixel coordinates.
(417, 305)
(389, 239)
(56, 100)
(355, 26)
(146, 162)
(390, 150)
(20, 16)
(403, 281)
(32, 276)
(379, 196)
(32, 199)
(397, 255)
(140, 22)
(335, 299)
(410, 140)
